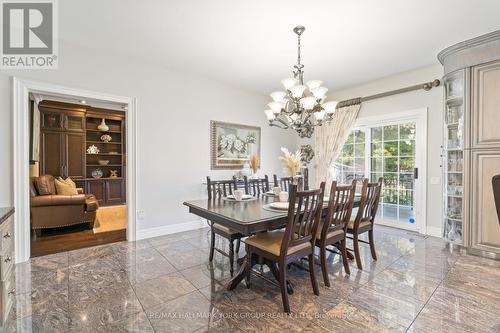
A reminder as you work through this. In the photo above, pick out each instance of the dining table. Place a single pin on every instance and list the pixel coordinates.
(247, 217)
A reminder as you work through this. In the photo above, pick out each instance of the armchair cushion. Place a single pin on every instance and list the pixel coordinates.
(45, 185)
(57, 200)
(64, 188)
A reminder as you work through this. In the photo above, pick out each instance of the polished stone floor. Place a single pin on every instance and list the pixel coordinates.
(166, 284)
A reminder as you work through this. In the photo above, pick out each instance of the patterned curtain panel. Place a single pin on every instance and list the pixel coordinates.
(330, 138)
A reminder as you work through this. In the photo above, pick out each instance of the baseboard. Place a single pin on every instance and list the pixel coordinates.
(170, 229)
(434, 231)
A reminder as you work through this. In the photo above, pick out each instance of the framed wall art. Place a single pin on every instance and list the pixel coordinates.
(231, 145)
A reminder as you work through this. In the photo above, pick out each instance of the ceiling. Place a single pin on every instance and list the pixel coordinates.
(250, 44)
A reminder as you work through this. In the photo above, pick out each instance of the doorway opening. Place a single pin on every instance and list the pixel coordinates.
(74, 154)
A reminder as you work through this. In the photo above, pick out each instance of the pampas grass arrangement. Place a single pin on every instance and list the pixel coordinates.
(291, 162)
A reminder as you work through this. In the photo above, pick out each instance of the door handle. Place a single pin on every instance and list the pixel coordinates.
(415, 173)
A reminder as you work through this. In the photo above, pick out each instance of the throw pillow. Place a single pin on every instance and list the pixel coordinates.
(63, 188)
(42, 186)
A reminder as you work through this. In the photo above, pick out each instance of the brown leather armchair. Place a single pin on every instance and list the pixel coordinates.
(50, 210)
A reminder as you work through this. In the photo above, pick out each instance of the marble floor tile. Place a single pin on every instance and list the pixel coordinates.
(166, 284)
(162, 289)
(187, 313)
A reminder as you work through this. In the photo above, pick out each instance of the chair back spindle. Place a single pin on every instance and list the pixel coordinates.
(258, 186)
(217, 189)
(370, 197)
(283, 182)
(340, 206)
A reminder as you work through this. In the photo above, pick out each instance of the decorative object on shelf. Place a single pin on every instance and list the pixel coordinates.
(93, 150)
(254, 164)
(113, 153)
(246, 170)
(103, 162)
(97, 173)
(113, 174)
(307, 153)
(232, 144)
(106, 138)
(300, 107)
(291, 162)
(102, 126)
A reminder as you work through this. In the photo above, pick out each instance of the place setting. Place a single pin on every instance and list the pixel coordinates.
(239, 196)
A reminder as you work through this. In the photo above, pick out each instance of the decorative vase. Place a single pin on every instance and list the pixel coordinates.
(97, 173)
(246, 171)
(102, 126)
(298, 180)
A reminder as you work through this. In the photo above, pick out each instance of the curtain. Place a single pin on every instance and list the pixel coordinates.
(330, 138)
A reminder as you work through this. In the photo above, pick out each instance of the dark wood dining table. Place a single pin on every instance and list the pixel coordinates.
(246, 217)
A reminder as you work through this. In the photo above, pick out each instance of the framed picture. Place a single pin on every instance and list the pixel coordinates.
(231, 145)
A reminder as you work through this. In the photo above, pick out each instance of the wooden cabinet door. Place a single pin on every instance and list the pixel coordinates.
(486, 106)
(74, 149)
(484, 224)
(74, 121)
(97, 188)
(51, 153)
(115, 191)
(51, 120)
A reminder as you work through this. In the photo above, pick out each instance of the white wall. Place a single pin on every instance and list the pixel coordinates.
(433, 100)
(174, 111)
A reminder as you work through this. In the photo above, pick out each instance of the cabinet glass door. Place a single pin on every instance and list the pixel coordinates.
(453, 157)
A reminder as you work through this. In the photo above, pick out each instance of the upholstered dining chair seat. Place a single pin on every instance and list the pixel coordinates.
(350, 225)
(271, 242)
(224, 229)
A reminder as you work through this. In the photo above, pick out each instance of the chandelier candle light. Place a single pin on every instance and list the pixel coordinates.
(300, 107)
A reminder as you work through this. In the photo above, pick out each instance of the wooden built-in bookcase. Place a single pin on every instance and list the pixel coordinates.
(66, 132)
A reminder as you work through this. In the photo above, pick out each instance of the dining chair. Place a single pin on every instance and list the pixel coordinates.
(496, 193)
(333, 229)
(283, 182)
(365, 217)
(216, 190)
(256, 186)
(282, 247)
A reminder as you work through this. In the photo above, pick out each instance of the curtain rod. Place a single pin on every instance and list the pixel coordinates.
(425, 86)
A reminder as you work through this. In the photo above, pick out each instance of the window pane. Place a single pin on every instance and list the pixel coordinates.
(350, 138)
(407, 148)
(360, 150)
(390, 212)
(360, 165)
(374, 176)
(390, 132)
(407, 164)
(348, 161)
(391, 180)
(391, 164)
(377, 150)
(377, 134)
(360, 136)
(406, 182)
(348, 150)
(377, 165)
(391, 148)
(407, 131)
(406, 198)
(390, 196)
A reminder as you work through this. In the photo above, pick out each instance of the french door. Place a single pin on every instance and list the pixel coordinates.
(395, 150)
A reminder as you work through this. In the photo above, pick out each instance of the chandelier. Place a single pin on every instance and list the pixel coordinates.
(300, 107)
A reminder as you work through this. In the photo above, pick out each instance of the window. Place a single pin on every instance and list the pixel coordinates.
(351, 162)
(383, 151)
